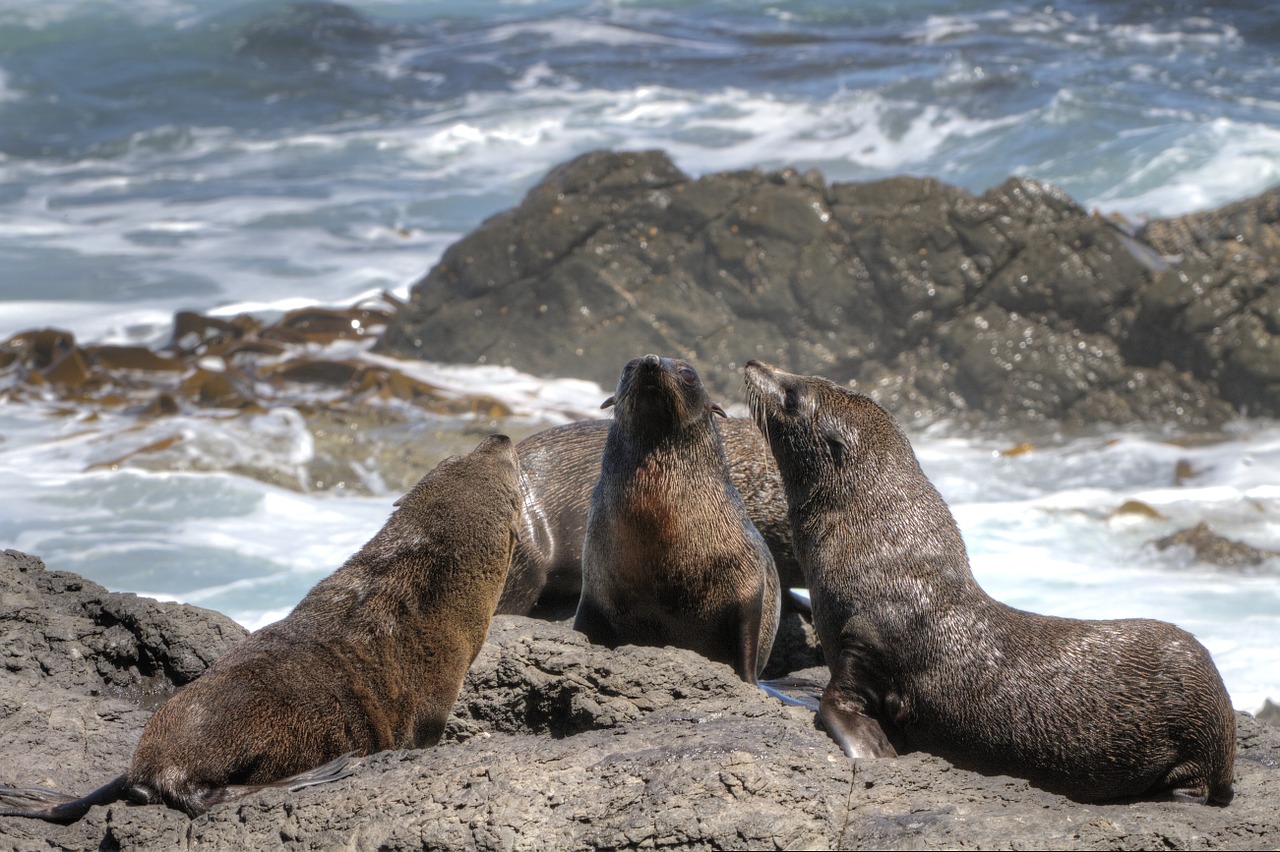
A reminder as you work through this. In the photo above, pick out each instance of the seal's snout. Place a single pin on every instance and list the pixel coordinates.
(761, 380)
(649, 371)
(500, 448)
(649, 367)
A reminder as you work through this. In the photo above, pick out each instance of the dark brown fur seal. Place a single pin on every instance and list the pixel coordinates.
(922, 658)
(559, 468)
(372, 658)
(671, 556)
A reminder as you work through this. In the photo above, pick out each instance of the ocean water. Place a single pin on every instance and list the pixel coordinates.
(229, 156)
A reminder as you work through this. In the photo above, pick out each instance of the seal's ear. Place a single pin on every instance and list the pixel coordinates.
(608, 403)
(716, 409)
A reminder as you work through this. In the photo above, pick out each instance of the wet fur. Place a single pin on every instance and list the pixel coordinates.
(922, 658)
(372, 658)
(671, 556)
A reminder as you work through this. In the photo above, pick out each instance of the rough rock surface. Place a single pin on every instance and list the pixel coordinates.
(1014, 305)
(557, 744)
(1214, 549)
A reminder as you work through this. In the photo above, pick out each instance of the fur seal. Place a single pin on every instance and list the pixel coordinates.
(559, 468)
(671, 556)
(922, 658)
(372, 658)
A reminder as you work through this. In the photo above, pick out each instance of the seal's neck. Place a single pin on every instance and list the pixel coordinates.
(638, 440)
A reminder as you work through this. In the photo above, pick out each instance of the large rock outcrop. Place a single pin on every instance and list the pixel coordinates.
(553, 744)
(1017, 304)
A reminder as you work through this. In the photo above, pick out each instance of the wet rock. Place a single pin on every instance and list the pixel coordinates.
(1015, 305)
(374, 427)
(555, 743)
(1215, 549)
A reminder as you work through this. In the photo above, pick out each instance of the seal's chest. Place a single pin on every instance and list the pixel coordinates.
(652, 519)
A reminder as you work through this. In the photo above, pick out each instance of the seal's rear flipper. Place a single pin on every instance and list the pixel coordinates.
(800, 599)
(1199, 795)
(334, 770)
(52, 806)
(198, 801)
(796, 691)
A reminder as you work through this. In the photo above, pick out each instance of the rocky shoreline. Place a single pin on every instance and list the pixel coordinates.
(553, 743)
(1015, 308)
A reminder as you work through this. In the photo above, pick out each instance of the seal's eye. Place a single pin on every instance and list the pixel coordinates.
(688, 375)
(791, 401)
(837, 447)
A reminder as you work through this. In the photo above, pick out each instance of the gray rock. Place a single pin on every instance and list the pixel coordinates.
(83, 667)
(1016, 305)
(57, 626)
(558, 744)
(1215, 549)
(1216, 310)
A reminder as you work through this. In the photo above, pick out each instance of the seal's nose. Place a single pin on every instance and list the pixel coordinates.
(652, 360)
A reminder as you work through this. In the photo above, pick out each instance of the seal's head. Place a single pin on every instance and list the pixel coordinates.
(662, 394)
(825, 437)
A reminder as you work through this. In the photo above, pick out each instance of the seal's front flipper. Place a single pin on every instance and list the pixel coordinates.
(591, 621)
(857, 734)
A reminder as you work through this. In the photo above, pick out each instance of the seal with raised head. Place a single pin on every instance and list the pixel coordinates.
(558, 470)
(372, 658)
(922, 658)
(671, 556)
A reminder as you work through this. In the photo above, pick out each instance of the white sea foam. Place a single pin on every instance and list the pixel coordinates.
(530, 399)
(939, 28)
(1189, 32)
(8, 93)
(569, 32)
(1209, 166)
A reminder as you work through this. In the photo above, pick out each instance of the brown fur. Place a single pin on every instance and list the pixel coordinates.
(559, 468)
(372, 658)
(671, 556)
(922, 658)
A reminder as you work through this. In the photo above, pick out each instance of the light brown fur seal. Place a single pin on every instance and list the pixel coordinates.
(671, 556)
(558, 470)
(372, 658)
(922, 658)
